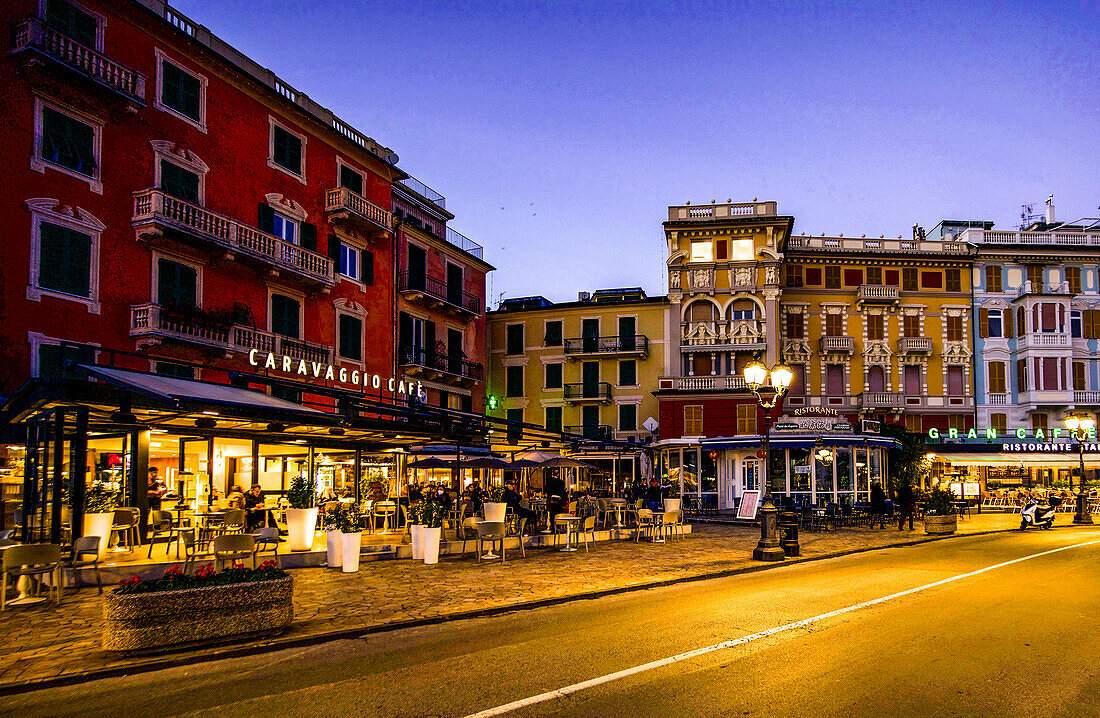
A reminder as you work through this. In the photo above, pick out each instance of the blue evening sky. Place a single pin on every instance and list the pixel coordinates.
(560, 131)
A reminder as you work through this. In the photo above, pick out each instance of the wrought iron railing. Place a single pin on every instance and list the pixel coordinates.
(600, 390)
(449, 363)
(439, 289)
(628, 343)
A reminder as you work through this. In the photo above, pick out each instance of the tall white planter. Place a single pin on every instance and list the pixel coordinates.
(430, 538)
(494, 512)
(99, 525)
(672, 505)
(301, 524)
(417, 541)
(350, 544)
(335, 548)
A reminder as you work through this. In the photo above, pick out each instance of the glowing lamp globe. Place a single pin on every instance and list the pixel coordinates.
(755, 372)
(782, 376)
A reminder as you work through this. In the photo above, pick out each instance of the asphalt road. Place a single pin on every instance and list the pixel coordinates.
(1016, 640)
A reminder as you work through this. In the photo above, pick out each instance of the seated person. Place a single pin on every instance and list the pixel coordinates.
(235, 498)
(515, 501)
(256, 512)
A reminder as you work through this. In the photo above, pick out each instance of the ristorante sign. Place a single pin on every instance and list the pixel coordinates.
(327, 372)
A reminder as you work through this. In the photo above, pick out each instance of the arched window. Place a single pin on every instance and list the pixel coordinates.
(743, 309)
(876, 379)
(702, 312)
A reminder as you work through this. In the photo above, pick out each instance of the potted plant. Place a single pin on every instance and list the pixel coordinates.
(333, 546)
(181, 609)
(100, 501)
(433, 528)
(495, 508)
(939, 511)
(416, 529)
(301, 517)
(347, 522)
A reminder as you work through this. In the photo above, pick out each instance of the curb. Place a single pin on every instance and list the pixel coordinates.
(278, 644)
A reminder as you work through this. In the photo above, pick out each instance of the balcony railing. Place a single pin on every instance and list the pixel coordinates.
(837, 345)
(915, 345)
(464, 243)
(627, 344)
(881, 245)
(877, 294)
(34, 34)
(1081, 396)
(440, 290)
(594, 432)
(880, 399)
(996, 399)
(1039, 340)
(594, 391)
(441, 362)
(722, 211)
(424, 191)
(154, 320)
(1029, 287)
(704, 383)
(155, 206)
(1070, 239)
(343, 199)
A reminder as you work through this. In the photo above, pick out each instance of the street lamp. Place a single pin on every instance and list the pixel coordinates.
(768, 548)
(1080, 425)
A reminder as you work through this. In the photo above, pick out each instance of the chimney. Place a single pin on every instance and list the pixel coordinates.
(1050, 210)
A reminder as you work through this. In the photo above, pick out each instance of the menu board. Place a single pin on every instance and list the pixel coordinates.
(750, 501)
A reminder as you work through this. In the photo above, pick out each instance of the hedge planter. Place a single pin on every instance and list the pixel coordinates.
(940, 525)
(177, 619)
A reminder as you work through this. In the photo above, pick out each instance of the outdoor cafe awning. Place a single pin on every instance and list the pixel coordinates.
(1066, 460)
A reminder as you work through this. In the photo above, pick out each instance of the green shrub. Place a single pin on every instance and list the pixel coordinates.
(100, 499)
(302, 493)
(347, 518)
(939, 502)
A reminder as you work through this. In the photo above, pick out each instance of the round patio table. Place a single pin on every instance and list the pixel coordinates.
(569, 520)
(618, 505)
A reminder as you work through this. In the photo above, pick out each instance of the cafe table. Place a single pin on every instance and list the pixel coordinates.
(570, 521)
(618, 505)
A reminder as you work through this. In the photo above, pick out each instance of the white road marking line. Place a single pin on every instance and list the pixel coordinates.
(593, 682)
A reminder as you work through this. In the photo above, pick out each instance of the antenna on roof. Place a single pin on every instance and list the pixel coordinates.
(1028, 215)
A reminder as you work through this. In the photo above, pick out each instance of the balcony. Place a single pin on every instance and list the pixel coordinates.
(1031, 288)
(1050, 340)
(996, 399)
(876, 294)
(588, 392)
(157, 212)
(1062, 239)
(882, 245)
(152, 324)
(592, 432)
(438, 294)
(345, 206)
(1086, 397)
(737, 335)
(954, 403)
(35, 36)
(881, 400)
(915, 345)
(440, 366)
(837, 345)
(702, 383)
(629, 345)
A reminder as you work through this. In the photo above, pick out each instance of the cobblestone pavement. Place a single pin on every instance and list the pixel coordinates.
(45, 641)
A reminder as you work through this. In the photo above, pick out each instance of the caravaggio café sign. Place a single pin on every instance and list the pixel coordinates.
(327, 372)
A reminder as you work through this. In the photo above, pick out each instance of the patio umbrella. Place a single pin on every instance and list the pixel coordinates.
(486, 462)
(432, 462)
(564, 462)
(524, 464)
(536, 456)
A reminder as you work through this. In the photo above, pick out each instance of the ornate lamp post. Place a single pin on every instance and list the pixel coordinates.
(1080, 425)
(768, 548)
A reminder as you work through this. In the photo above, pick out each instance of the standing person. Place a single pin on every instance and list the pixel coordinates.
(156, 489)
(905, 502)
(654, 496)
(878, 505)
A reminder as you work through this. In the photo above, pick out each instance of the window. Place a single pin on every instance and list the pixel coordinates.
(954, 328)
(1021, 321)
(179, 371)
(874, 275)
(350, 341)
(999, 423)
(286, 150)
(553, 418)
(553, 334)
(813, 276)
(834, 325)
(853, 277)
(743, 309)
(693, 420)
(891, 278)
(794, 275)
(553, 376)
(1039, 421)
(1052, 378)
(911, 325)
(366, 267)
(1073, 277)
(832, 277)
(955, 381)
(1021, 375)
(991, 323)
(53, 357)
(1035, 276)
(993, 278)
(628, 417)
(65, 260)
(876, 379)
(514, 433)
(912, 380)
(746, 418)
(956, 422)
(181, 91)
(834, 380)
(349, 261)
(279, 225)
(795, 327)
(285, 316)
(953, 280)
(177, 284)
(69, 143)
(1092, 323)
(351, 179)
(75, 22)
(720, 249)
(628, 372)
(931, 280)
(909, 279)
(875, 329)
(742, 250)
(1075, 324)
(514, 381)
(1079, 381)
(997, 384)
(514, 339)
(179, 182)
(702, 251)
(798, 381)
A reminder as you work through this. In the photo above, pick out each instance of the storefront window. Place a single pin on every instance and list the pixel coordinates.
(709, 474)
(844, 472)
(800, 469)
(777, 471)
(691, 469)
(823, 476)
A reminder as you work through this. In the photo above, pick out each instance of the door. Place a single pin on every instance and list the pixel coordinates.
(454, 351)
(417, 267)
(454, 284)
(590, 422)
(411, 339)
(590, 379)
(590, 334)
(627, 334)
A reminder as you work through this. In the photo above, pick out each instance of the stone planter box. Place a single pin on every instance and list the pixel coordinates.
(175, 619)
(940, 525)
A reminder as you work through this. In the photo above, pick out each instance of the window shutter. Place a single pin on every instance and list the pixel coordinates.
(366, 273)
(983, 322)
(334, 250)
(267, 219)
(1087, 324)
(1008, 323)
(308, 234)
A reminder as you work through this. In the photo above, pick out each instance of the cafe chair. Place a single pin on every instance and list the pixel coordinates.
(604, 511)
(644, 524)
(161, 524)
(467, 531)
(35, 561)
(85, 554)
(493, 532)
(234, 547)
(589, 527)
(267, 539)
(233, 523)
(521, 525)
(125, 523)
(673, 522)
(194, 550)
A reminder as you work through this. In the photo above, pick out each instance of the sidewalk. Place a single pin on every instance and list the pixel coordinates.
(45, 644)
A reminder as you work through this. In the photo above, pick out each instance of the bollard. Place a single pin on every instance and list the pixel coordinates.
(788, 533)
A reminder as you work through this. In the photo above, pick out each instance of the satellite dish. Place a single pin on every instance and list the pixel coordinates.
(392, 158)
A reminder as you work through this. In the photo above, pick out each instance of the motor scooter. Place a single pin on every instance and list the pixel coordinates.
(1039, 515)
